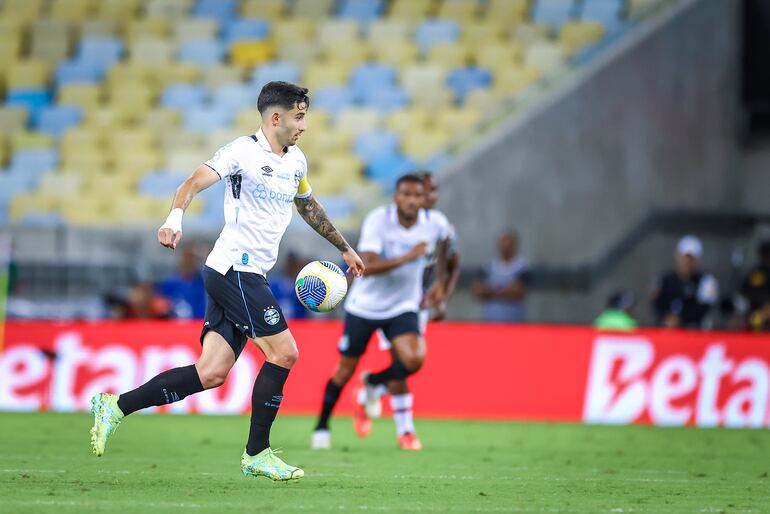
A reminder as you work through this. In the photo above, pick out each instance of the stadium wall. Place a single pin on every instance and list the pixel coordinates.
(628, 134)
(570, 374)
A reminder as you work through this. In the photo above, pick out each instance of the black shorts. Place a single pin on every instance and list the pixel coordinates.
(358, 331)
(240, 305)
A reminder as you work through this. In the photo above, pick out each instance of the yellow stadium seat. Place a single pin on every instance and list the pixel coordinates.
(72, 10)
(335, 172)
(59, 184)
(26, 10)
(423, 77)
(136, 163)
(24, 204)
(81, 139)
(398, 53)
(5, 149)
(91, 211)
(10, 46)
(449, 55)
(302, 54)
(575, 35)
(12, 119)
(29, 73)
(459, 10)
(543, 56)
(641, 8)
(141, 28)
(132, 96)
(151, 50)
(51, 48)
(512, 11)
(411, 118)
(485, 100)
(187, 29)
(108, 117)
(318, 143)
(313, 9)
(187, 160)
(250, 53)
(117, 10)
(123, 73)
(359, 119)
(172, 9)
(98, 27)
(346, 54)
(221, 74)
(457, 119)
(271, 9)
(247, 121)
(338, 30)
(174, 73)
(220, 138)
(87, 163)
(321, 74)
(12, 25)
(411, 9)
(514, 80)
(479, 33)
(130, 140)
(385, 31)
(422, 145)
(180, 140)
(528, 34)
(317, 119)
(87, 96)
(498, 56)
(292, 30)
(161, 120)
(23, 140)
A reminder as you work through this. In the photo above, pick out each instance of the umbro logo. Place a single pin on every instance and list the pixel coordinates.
(267, 171)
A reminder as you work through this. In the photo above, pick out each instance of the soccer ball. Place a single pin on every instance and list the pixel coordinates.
(320, 286)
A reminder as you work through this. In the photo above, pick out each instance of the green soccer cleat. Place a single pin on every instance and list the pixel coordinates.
(267, 464)
(107, 418)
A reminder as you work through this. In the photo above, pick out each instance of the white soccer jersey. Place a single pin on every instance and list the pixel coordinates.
(259, 193)
(400, 290)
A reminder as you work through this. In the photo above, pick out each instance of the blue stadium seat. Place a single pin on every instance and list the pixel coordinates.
(430, 32)
(183, 96)
(276, 70)
(332, 98)
(608, 12)
(33, 162)
(246, 29)
(234, 97)
(372, 75)
(385, 99)
(14, 182)
(79, 70)
(363, 11)
(103, 50)
(464, 80)
(337, 206)
(56, 120)
(376, 145)
(204, 120)
(202, 52)
(30, 99)
(553, 12)
(221, 10)
(160, 184)
(386, 170)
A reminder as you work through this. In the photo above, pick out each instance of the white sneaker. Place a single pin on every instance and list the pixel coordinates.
(371, 397)
(322, 440)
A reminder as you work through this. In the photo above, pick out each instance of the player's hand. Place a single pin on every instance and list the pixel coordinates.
(417, 251)
(355, 264)
(439, 312)
(436, 294)
(169, 238)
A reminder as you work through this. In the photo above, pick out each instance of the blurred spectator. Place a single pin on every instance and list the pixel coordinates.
(282, 286)
(617, 315)
(141, 302)
(684, 296)
(503, 285)
(185, 289)
(756, 290)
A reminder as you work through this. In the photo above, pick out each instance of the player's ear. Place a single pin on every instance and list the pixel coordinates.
(275, 118)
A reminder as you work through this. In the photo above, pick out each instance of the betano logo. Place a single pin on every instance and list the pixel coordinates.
(262, 192)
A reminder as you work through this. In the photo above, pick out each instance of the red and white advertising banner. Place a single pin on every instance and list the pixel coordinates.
(525, 372)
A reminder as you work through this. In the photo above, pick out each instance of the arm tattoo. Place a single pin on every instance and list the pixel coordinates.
(314, 215)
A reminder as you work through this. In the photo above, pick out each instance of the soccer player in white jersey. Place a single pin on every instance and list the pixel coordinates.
(375, 385)
(265, 174)
(397, 242)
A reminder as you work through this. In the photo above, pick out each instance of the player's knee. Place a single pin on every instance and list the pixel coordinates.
(287, 357)
(211, 378)
(343, 373)
(412, 362)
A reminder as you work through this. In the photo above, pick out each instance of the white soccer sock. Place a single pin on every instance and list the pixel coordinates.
(402, 412)
(381, 390)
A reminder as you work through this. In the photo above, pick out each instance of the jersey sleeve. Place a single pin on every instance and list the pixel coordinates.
(371, 235)
(303, 186)
(226, 161)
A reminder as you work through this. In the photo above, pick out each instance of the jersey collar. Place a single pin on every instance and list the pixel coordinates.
(261, 140)
(422, 215)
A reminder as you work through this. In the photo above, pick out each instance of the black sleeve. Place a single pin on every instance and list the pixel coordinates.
(661, 301)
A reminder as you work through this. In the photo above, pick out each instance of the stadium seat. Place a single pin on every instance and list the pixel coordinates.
(175, 73)
(275, 70)
(359, 119)
(219, 138)
(362, 11)
(384, 99)
(421, 146)
(464, 80)
(25, 10)
(457, 119)
(513, 80)
(160, 184)
(33, 161)
(234, 97)
(431, 32)
(385, 31)
(203, 120)
(574, 36)
(29, 203)
(202, 52)
(12, 119)
(293, 30)
(423, 79)
(375, 145)
(58, 184)
(338, 30)
(183, 96)
(151, 50)
(449, 55)
(385, 171)
(607, 12)
(55, 120)
(246, 29)
(29, 99)
(130, 140)
(300, 53)
(78, 71)
(51, 40)
(498, 56)
(313, 9)
(85, 96)
(195, 29)
(371, 75)
(250, 53)
(410, 9)
(183, 160)
(25, 140)
(217, 75)
(28, 74)
(543, 56)
(510, 11)
(172, 9)
(346, 54)
(402, 121)
(325, 74)
(161, 120)
(141, 28)
(528, 34)
(459, 10)
(271, 9)
(71, 10)
(98, 28)
(553, 12)
(398, 53)
(103, 50)
(221, 10)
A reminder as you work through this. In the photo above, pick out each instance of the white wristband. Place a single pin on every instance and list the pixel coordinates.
(174, 220)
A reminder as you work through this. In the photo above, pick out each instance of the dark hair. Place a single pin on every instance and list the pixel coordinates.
(281, 94)
(409, 177)
(424, 174)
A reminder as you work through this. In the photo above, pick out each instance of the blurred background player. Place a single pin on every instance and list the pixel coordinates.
(240, 305)
(401, 398)
(397, 242)
(503, 284)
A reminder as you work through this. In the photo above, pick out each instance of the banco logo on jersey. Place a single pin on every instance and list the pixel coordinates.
(272, 316)
(262, 192)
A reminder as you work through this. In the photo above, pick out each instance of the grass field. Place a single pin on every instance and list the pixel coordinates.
(190, 463)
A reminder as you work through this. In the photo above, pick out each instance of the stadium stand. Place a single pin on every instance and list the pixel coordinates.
(130, 95)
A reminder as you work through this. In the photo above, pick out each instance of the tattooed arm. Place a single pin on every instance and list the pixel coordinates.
(314, 215)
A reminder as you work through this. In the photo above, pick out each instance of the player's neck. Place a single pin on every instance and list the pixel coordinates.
(272, 140)
(406, 222)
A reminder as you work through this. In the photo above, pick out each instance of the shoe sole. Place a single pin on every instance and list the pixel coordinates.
(256, 475)
(94, 411)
